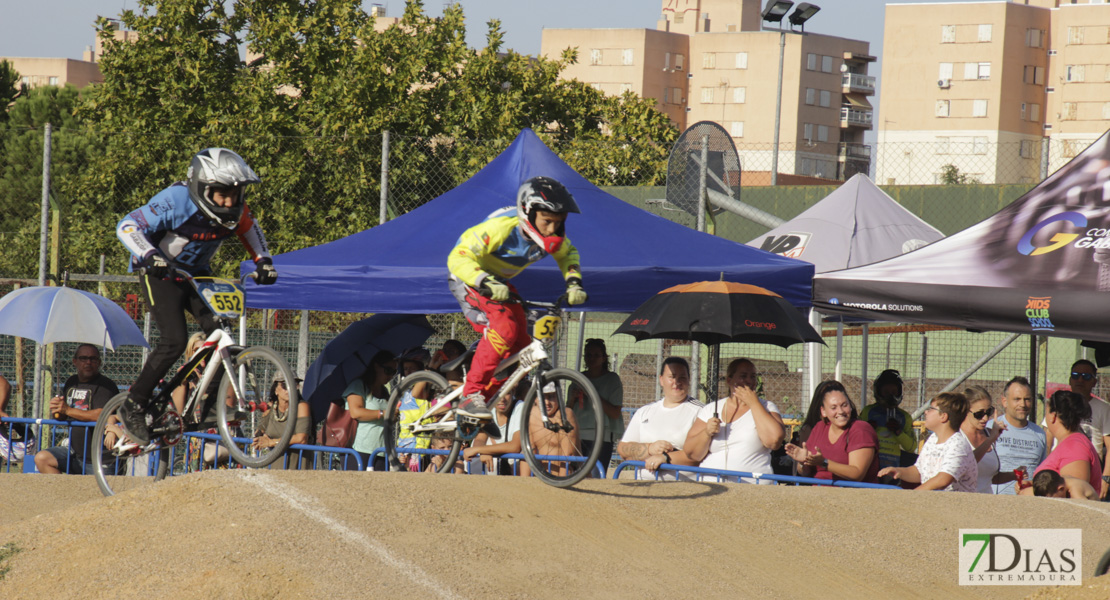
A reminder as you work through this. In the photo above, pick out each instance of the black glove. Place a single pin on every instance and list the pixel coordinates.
(156, 266)
(265, 273)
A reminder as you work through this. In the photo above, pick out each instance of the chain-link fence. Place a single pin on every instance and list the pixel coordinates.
(318, 189)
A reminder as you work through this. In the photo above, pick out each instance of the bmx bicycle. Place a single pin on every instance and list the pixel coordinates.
(440, 425)
(245, 377)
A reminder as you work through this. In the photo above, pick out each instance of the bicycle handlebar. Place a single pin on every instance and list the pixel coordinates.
(515, 298)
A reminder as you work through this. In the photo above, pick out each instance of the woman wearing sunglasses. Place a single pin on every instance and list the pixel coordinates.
(367, 397)
(980, 411)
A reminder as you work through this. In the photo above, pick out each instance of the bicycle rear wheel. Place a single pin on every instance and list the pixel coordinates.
(122, 465)
(256, 370)
(574, 389)
(410, 399)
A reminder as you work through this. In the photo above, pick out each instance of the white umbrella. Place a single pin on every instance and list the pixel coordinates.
(62, 314)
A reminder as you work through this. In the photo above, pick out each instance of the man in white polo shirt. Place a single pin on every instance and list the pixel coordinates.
(658, 430)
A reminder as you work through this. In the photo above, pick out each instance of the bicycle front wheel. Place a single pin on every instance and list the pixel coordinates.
(245, 395)
(574, 391)
(411, 399)
(121, 464)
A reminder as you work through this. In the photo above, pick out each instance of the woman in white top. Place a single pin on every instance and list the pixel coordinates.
(980, 410)
(739, 432)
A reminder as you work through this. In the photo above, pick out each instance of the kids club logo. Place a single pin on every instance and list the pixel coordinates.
(1059, 239)
(1020, 556)
(1036, 310)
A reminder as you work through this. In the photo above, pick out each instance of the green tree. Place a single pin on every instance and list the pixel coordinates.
(21, 182)
(951, 175)
(10, 88)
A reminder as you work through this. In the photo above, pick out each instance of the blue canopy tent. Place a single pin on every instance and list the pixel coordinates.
(628, 254)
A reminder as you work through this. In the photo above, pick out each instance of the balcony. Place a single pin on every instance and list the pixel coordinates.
(851, 116)
(854, 82)
(847, 151)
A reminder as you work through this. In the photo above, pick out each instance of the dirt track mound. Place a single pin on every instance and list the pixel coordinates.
(261, 534)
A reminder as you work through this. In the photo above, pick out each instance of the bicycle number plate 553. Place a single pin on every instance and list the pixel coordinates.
(222, 296)
(545, 327)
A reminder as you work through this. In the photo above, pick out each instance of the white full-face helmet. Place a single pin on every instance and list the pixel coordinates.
(219, 168)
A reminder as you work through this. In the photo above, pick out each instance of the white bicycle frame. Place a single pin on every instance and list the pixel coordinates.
(528, 358)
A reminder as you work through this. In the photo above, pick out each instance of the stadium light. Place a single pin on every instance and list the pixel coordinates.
(803, 13)
(776, 10)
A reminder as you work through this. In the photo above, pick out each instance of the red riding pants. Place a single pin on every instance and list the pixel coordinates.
(506, 333)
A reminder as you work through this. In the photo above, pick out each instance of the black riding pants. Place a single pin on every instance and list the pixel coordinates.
(167, 302)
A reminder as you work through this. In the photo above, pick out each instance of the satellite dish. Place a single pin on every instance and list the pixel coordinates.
(685, 166)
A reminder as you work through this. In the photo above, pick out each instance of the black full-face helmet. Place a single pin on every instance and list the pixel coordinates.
(887, 378)
(219, 168)
(543, 193)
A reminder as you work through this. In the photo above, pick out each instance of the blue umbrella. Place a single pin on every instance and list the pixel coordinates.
(347, 355)
(63, 314)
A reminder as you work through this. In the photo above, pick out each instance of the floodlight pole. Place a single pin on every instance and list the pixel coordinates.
(778, 109)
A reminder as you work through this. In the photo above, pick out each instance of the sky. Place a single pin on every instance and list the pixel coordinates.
(63, 28)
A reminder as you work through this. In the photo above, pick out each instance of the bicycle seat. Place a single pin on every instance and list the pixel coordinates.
(447, 367)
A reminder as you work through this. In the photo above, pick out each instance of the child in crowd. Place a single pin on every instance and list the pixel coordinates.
(947, 461)
(1054, 485)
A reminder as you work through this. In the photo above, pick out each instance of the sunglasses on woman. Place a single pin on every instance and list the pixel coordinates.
(986, 412)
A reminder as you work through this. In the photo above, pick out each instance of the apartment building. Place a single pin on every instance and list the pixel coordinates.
(1001, 91)
(709, 60)
(35, 72)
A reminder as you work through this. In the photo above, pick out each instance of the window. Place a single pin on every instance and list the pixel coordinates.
(979, 144)
(1033, 75)
(945, 71)
(826, 64)
(1035, 112)
(826, 98)
(977, 70)
(25, 80)
(626, 56)
(1026, 150)
(811, 96)
(706, 95)
(985, 31)
(1034, 38)
(811, 62)
(740, 95)
(708, 60)
(679, 18)
(679, 59)
(1075, 73)
(596, 86)
(667, 100)
(942, 145)
(948, 34)
(595, 56)
(1075, 35)
(1023, 110)
(1068, 112)
(808, 132)
(943, 107)
(676, 95)
(978, 108)
(53, 81)
(736, 129)
(626, 87)
(1106, 110)
(741, 62)
(666, 60)
(822, 133)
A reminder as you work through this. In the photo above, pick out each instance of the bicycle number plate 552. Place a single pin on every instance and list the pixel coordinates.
(222, 296)
(545, 327)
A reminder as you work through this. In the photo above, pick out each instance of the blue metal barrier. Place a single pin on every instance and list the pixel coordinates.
(321, 455)
(599, 472)
(721, 474)
(32, 429)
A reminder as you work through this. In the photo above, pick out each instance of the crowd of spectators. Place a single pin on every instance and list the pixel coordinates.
(968, 446)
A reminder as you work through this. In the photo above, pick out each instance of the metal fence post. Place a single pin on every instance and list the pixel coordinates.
(43, 236)
(383, 210)
(1046, 143)
(302, 345)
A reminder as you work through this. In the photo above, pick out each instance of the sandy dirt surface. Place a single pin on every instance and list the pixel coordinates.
(264, 534)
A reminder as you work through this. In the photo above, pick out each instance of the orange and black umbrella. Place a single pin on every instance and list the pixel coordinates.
(719, 312)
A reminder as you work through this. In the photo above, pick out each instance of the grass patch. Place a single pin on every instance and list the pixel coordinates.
(6, 552)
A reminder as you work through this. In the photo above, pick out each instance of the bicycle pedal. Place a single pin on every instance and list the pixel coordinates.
(471, 420)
